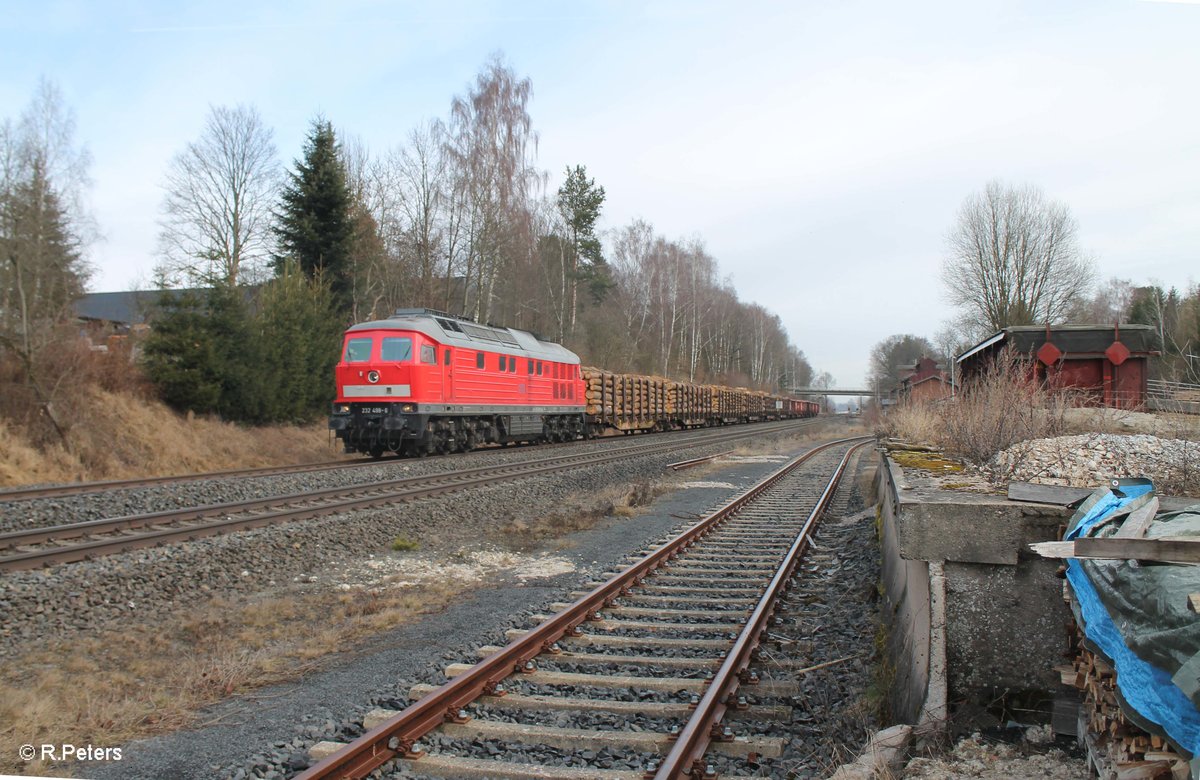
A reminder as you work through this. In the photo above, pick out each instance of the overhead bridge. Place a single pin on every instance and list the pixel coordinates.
(831, 391)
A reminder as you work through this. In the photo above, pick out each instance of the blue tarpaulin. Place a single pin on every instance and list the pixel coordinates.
(1144, 687)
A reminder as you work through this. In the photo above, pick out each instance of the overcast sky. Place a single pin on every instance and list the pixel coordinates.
(819, 149)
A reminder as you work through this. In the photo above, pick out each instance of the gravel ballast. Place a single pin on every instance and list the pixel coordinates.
(1088, 460)
(266, 730)
(151, 583)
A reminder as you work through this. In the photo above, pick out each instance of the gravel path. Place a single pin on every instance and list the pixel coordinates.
(268, 728)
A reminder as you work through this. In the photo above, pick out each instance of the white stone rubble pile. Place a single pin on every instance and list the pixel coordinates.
(1090, 460)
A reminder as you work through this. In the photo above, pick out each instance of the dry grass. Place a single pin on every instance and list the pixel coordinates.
(579, 514)
(119, 434)
(997, 410)
(149, 679)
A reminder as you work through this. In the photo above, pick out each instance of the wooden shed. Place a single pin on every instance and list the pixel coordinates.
(1109, 364)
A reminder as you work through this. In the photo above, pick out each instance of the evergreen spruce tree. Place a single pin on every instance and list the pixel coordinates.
(203, 357)
(180, 356)
(315, 226)
(300, 336)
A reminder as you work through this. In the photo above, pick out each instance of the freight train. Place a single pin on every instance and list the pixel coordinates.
(423, 382)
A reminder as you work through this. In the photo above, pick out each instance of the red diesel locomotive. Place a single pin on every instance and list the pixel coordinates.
(426, 382)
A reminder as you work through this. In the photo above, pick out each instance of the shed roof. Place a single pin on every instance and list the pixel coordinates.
(1071, 339)
(130, 307)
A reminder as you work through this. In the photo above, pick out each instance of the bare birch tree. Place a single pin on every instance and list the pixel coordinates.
(492, 145)
(219, 194)
(631, 248)
(1014, 258)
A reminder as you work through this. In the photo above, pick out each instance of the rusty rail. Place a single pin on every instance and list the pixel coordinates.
(685, 759)
(398, 736)
(687, 464)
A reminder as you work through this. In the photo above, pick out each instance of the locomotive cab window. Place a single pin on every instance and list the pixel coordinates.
(428, 355)
(512, 365)
(529, 366)
(478, 360)
(358, 350)
(446, 358)
(503, 363)
(396, 349)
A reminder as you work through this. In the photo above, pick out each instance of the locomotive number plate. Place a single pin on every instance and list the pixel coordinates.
(374, 410)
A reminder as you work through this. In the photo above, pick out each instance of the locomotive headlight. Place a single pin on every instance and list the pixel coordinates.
(407, 408)
(343, 408)
(372, 376)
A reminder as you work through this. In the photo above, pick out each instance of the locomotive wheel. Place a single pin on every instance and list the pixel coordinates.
(376, 451)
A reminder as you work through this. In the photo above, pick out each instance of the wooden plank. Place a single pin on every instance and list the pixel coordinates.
(1138, 521)
(1046, 494)
(1166, 550)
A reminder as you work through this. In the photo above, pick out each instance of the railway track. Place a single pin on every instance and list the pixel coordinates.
(54, 491)
(40, 547)
(660, 661)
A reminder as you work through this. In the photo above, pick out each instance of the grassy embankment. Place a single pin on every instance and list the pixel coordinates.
(119, 435)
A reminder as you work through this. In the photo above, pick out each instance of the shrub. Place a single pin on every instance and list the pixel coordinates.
(1003, 406)
(404, 544)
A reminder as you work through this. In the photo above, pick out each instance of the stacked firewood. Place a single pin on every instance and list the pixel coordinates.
(1117, 747)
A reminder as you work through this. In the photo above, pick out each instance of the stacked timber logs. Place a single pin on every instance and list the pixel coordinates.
(689, 405)
(630, 402)
(627, 402)
(1118, 749)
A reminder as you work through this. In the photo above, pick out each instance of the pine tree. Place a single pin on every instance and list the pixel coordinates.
(300, 337)
(203, 357)
(315, 226)
(579, 203)
(180, 356)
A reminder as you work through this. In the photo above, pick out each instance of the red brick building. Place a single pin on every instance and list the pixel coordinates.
(925, 380)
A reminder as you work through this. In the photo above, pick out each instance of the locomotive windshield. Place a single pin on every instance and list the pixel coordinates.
(358, 350)
(396, 349)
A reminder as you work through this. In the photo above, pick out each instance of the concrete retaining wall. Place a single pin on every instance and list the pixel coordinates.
(970, 612)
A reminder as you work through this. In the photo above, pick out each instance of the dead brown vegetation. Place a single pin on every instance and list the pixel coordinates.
(579, 514)
(114, 431)
(991, 413)
(152, 678)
